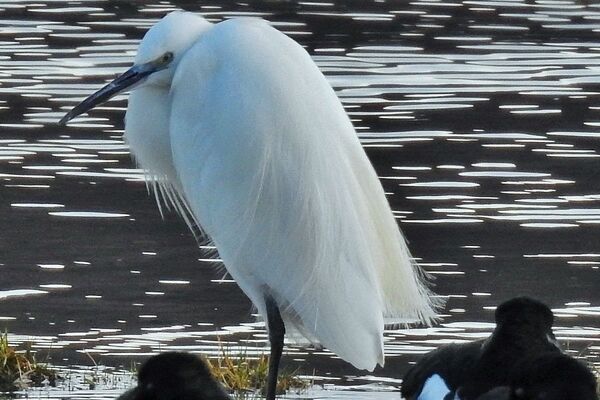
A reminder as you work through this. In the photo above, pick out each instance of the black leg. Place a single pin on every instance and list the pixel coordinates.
(276, 334)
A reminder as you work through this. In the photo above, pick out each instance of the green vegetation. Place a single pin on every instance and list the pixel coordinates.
(20, 370)
(242, 373)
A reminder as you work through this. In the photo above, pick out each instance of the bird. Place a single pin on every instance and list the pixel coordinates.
(523, 329)
(549, 375)
(175, 376)
(239, 131)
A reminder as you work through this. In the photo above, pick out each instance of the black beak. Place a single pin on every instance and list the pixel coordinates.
(127, 80)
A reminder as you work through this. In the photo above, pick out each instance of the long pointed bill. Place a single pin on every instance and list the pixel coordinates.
(127, 80)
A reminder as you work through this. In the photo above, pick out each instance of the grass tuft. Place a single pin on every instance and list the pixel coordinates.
(20, 370)
(242, 373)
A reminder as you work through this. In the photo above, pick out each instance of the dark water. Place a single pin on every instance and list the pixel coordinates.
(481, 117)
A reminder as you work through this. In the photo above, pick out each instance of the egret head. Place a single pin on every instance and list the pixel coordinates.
(158, 54)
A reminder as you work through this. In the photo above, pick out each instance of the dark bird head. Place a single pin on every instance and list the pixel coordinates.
(525, 317)
(523, 329)
(175, 376)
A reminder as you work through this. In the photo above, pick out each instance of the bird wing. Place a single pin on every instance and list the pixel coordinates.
(272, 169)
(453, 363)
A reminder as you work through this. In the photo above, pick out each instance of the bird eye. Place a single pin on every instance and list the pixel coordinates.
(167, 57)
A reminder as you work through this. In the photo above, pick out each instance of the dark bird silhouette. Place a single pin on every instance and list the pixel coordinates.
(548, 376)
(552, 376)
(523, 329)
(175, 376)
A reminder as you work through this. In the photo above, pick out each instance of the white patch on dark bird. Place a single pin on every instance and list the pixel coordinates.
(435, 388)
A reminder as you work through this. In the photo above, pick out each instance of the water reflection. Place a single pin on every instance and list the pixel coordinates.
(481, 118)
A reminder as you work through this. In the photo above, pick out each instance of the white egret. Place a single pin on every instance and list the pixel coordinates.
(241, 132)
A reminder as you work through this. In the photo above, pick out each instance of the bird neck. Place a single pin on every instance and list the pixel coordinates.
(147, 131)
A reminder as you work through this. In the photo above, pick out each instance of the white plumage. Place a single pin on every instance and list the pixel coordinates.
(243, 130)
(435, 388)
